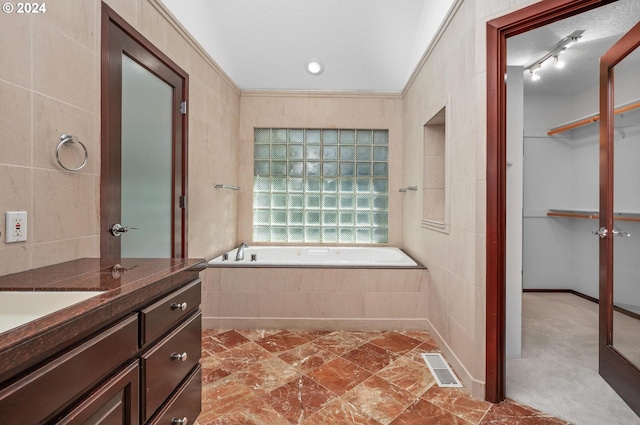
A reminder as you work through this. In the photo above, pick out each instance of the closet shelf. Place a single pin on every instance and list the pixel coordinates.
(592, 118)
(592, 215)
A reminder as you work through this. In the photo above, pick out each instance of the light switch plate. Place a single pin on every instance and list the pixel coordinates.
(16, 226)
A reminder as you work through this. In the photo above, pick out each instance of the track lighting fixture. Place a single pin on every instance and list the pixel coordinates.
(554, 55)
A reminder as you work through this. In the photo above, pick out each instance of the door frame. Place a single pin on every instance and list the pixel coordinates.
(110, 130)
(622, 375)
(498, 30)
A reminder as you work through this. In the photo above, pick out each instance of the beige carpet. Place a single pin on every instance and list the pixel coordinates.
(558, 371)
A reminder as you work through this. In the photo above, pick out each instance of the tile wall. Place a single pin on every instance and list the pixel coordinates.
(47, 86)
(319, 110)
(453, 74)
(50, 85)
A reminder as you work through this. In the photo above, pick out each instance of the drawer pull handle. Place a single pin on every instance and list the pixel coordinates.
(176, 356)
(179, 306)
(182, 421)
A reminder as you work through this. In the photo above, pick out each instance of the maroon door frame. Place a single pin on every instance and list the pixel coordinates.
(117, 37)
(498, 30)
(622, 375)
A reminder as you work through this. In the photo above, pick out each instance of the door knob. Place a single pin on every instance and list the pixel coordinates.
(177, 356)
(620, 233)
(117, 229)
(602, 232)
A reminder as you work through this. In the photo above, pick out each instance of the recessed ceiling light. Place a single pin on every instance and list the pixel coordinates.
(314, 67)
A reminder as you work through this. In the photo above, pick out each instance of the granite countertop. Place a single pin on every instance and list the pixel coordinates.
(128, 284)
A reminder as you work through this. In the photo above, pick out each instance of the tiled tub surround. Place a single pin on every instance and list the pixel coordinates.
(283, 377)
(315, 298)
(125, 289)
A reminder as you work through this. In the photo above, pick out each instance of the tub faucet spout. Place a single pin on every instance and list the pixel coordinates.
(240, 253)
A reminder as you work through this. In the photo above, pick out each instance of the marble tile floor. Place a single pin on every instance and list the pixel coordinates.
(284, 377)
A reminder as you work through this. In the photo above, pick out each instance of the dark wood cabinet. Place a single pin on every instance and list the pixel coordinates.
(45, 392)
(169, 310)
(185, 404)
(134, 371)
(169, 363)
(116, 402)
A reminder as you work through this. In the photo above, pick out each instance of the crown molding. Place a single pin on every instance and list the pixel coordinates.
(321, 94)
(432, 45)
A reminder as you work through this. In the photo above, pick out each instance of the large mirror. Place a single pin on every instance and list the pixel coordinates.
(626, 197)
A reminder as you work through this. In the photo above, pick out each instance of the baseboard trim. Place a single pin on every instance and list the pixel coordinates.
(566, 291)
(586, 297)
(473, 385)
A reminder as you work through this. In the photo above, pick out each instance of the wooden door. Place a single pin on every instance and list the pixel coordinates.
(619, 336)
(144, 147)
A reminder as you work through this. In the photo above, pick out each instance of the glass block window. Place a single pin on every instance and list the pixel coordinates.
(323, 186)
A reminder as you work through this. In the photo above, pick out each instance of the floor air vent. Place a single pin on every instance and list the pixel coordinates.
(441, 370)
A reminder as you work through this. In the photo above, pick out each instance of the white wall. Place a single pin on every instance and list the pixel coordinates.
(515, 124)
(547, 184)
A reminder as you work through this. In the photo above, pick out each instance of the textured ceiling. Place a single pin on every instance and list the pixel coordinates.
(365, 45)
(602, 28)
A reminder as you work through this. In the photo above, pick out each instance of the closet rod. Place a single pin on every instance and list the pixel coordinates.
(592, 216)
(592, 118)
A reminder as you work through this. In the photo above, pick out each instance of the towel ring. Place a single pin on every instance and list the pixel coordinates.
(67, 139)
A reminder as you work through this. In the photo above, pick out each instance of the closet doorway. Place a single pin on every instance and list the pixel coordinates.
(560, 214)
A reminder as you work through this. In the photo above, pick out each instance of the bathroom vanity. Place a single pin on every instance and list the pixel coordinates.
(128, 354)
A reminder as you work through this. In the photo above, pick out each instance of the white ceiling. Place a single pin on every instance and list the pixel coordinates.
(365, 45)
(375, 45)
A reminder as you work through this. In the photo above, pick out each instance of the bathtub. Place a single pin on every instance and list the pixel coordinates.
(315, 287)
(312, 256)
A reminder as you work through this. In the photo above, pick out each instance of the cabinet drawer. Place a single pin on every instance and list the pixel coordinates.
(157, 318)
(53, 387)
(169, 362)
(185, 403)
(114, 403)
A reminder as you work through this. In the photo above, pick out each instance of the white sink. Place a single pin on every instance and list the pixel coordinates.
(20, 307)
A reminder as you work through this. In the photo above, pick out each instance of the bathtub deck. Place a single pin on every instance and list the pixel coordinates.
(317, 256)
